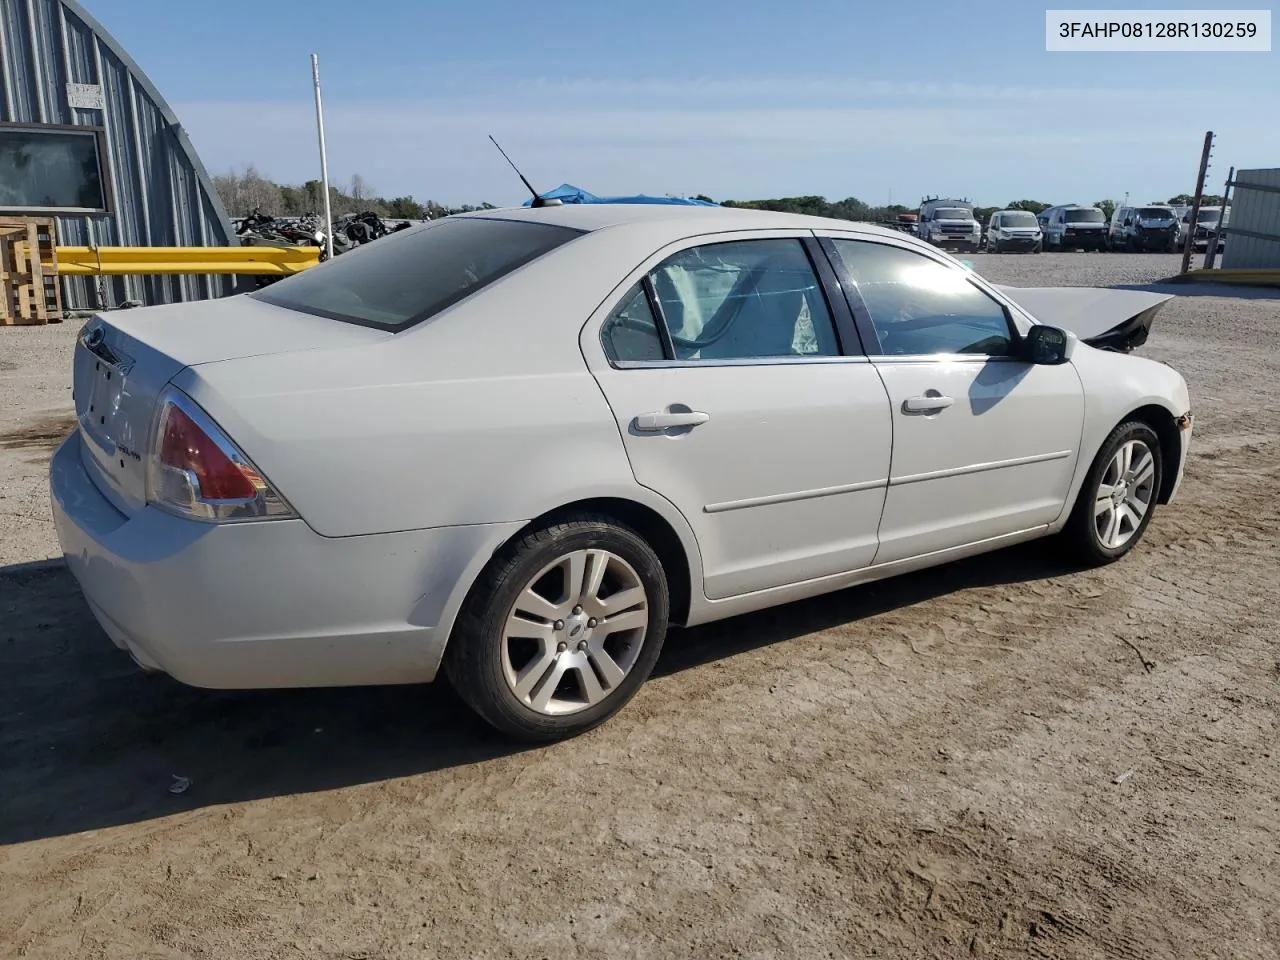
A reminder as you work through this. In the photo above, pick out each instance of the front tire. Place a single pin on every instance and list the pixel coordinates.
(561, 629)
(1118, 496)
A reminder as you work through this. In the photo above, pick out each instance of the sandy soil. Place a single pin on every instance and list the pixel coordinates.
(1005, 757)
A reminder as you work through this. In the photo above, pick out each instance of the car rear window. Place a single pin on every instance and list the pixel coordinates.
(1083, 216)
(407, 277)
(1156, 213)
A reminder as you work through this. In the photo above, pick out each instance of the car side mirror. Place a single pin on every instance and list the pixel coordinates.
(1048, 346)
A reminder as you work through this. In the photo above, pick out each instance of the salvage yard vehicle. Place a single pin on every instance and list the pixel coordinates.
(1073, 227)
(516, 445)
(1153, 228)
(949, 224)
(1205, 229)
(1014, 230)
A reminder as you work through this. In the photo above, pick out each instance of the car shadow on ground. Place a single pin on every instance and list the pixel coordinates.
(87, 741)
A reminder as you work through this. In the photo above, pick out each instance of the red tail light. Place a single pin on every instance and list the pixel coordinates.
(196, 471)
(185, 446)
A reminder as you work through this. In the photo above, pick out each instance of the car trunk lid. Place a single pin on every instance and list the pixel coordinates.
(124, 359)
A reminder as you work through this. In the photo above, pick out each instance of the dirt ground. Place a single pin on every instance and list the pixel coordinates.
(1005, 757)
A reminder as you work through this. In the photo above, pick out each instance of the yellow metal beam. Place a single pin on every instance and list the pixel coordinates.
(119, 261)
(1250, 278)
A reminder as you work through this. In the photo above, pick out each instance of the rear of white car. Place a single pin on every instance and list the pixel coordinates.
(197, 564)
(198, 560)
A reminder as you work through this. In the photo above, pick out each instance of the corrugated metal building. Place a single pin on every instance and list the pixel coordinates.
(87, 138)
(1253, 232)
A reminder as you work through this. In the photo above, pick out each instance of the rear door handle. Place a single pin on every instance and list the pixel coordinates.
(926, 404)
(657, 422)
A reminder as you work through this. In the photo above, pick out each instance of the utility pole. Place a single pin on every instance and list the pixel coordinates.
(324, 159)
(1189, 244)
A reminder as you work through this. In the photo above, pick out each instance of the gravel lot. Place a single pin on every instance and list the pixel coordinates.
(925, 767)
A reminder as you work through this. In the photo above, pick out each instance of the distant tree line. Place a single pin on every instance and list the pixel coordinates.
(242, 193)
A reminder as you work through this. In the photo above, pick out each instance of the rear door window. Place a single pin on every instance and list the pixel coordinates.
(744, 299)
(410, 276)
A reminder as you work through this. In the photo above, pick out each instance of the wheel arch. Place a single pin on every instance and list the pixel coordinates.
(1149, 410)
(658, 522)
(1162, 421)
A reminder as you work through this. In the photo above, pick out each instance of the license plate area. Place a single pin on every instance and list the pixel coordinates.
(113, 423)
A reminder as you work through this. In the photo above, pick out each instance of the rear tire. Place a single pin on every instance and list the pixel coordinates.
(532, 652)
(1118, 496)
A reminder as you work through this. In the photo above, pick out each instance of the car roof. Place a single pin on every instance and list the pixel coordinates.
(682, 220)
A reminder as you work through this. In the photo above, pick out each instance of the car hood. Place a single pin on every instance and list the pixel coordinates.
(1110, 319)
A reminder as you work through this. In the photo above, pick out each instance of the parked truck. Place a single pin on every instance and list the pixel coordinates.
(949, 224)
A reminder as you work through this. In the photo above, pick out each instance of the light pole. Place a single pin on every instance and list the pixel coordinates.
(324, 160)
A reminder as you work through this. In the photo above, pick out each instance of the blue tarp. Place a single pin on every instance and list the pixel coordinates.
(568, 193)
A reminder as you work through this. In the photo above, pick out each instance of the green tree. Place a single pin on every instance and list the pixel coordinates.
(405, 208)
(1108, 207)
(1035, 206)
(1187, 199)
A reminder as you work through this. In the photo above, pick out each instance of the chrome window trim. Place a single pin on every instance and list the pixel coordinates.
(733, 362)
(944, 358)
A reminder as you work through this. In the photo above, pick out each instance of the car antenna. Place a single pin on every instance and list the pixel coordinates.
(538, 201)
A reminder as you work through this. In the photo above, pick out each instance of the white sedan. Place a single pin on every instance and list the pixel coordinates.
(516, 445)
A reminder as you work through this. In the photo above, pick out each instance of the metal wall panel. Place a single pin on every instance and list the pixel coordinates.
(1258, 212)
(160, 192)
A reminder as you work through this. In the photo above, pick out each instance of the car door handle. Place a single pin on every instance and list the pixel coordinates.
(657, 422)
(926, 404)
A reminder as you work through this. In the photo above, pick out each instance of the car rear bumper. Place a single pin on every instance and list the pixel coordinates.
(268, 603)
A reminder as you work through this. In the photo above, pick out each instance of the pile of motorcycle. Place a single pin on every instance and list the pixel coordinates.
(349, 231)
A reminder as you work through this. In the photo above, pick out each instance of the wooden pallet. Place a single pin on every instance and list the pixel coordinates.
(29, 289)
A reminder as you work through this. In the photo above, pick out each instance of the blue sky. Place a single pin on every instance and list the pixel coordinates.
(732, 98)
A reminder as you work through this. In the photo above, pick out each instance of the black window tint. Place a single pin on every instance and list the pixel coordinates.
(744, 299)
(920, 306)
(412, 275)
(631, 333)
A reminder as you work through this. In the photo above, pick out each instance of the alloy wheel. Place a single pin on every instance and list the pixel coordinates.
(574, 632)
(1124, 494)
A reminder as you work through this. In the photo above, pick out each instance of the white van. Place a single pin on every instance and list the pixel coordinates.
(1074, 227)
(1014, 230)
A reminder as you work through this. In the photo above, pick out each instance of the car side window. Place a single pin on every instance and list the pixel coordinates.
(631, 332)
(744, 299)
(919, 306)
